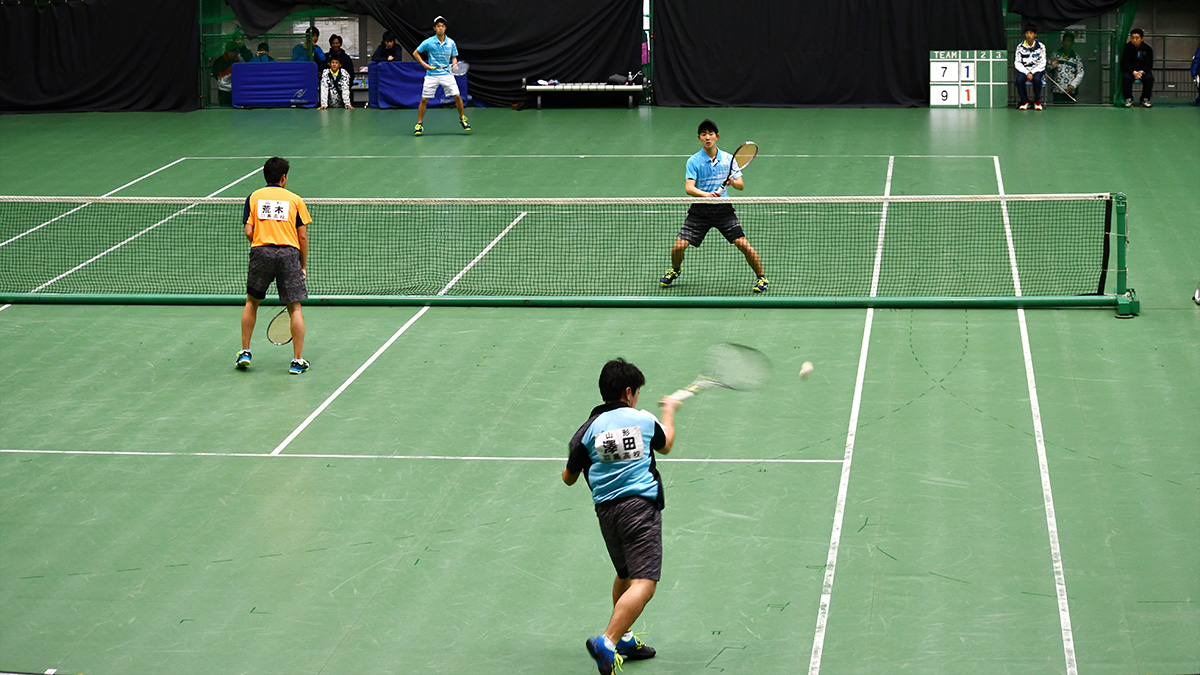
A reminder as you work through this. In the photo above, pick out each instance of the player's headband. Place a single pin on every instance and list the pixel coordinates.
(439, 19)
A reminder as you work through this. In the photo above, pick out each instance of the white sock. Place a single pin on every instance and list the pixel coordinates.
(627, 636)
(609, 643)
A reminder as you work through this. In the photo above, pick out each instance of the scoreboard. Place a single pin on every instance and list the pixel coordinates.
(969, 78)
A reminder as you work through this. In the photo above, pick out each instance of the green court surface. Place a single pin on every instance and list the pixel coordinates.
(983, 491)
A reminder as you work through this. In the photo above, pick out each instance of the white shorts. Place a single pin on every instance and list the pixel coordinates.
(446, 82)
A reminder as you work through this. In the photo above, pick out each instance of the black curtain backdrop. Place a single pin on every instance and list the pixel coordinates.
(503, 40)
(1049, 15)
(99, 55)
(811, 52)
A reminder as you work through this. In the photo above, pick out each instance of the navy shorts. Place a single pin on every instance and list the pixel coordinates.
(280, 264)
(703, 217)
(632, 529)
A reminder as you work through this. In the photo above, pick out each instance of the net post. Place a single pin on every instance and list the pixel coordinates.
(1127, 302)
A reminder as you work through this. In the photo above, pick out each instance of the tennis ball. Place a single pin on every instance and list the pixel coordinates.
(806, 369)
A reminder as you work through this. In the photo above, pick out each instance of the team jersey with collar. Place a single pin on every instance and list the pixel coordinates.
(709, 174)
(1030, 59)
(276, 213)
(615, 451)
(438, 54)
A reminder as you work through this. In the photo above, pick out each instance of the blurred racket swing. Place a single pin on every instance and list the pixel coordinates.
(914, 251)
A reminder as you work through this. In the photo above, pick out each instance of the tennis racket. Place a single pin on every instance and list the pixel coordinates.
(742, 157)
(1061, 88)
(457, 68)
(279, 331)
(728, 366)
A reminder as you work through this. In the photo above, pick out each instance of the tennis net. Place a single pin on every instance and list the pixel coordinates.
(608, 250)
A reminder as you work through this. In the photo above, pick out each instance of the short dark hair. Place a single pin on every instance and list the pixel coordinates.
(335, 57)
(388, 36)
(275, 169)
(264, 47)
(1030, 28)
(1139, 31)
(1068, 36)
(707, 125)
(337, 37)
(618, 375)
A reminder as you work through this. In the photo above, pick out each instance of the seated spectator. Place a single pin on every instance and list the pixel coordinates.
(335, 85)
(1068, 66)
(1030, 62)
(335, 47)
(388, 50)
(309, 50)
(264, 54)
(1137, 63)
(222, 69)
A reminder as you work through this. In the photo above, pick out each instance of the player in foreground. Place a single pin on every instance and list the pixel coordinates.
(707, 171)
(615, 450)
(442, 51)
(277, 227)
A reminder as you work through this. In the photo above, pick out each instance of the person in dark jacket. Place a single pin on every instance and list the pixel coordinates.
(335, 49)
(1137, 63)
(388, 50)
(222, 70)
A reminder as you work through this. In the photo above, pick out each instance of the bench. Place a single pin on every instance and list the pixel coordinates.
(596, 87)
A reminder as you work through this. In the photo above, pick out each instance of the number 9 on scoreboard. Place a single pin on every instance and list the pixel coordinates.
(943, 95)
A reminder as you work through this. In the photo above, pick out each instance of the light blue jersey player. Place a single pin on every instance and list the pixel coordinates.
(441, 51)
(705, 178)
(614, 449)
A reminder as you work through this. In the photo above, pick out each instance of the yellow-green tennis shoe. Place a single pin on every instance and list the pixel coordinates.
(760, 286)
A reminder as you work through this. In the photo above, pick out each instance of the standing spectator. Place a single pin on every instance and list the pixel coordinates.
(335, 85)
(335, 48)
(1137, 63)
(1030, 61)
(387, 50)
(1068, 66)
(222, 69)
(309, 50)
(264, 54)
(1196, 78)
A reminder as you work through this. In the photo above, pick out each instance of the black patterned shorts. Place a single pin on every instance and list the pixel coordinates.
(703, 217)
(280, 264)
(632, 529)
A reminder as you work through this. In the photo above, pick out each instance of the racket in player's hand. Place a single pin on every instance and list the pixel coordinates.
(742, 157)
(728, 366)
(456, 68)
(279, 331)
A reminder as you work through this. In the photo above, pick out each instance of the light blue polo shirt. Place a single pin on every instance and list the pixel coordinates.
(438, 54)
(619, 442)
(710, 173)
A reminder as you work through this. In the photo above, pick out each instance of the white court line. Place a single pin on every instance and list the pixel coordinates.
(601, 156)
(835, 536)
(321, 408)
(117, 246)
(1060, 581)
(106, 194)
(454, 458)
